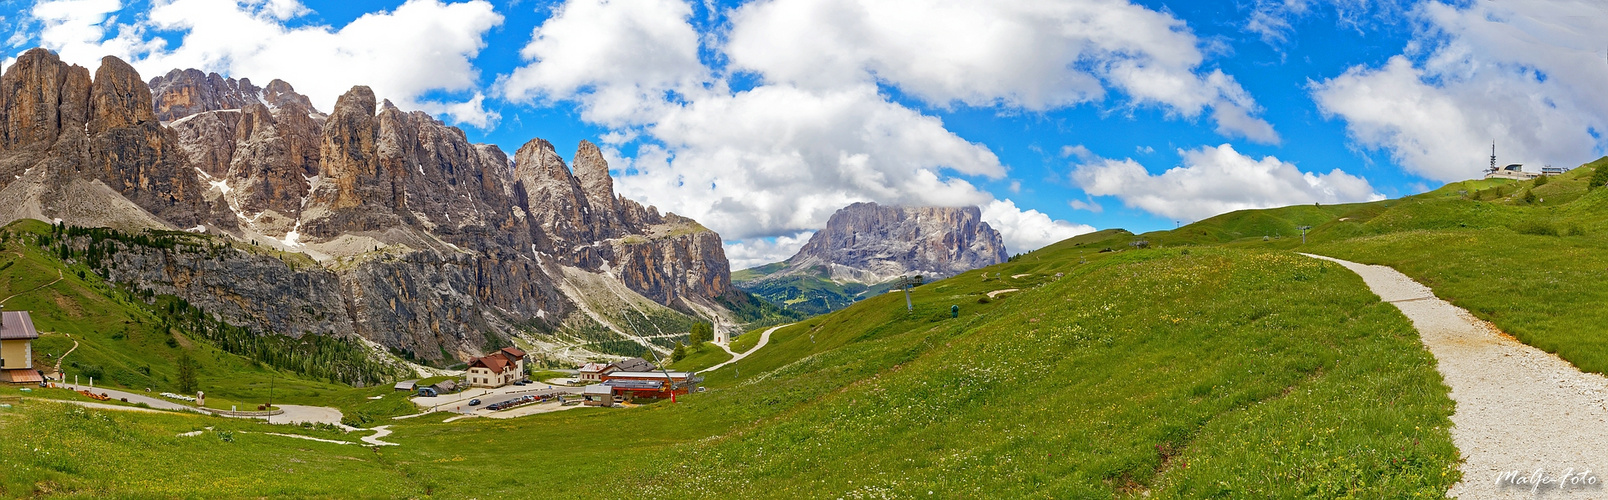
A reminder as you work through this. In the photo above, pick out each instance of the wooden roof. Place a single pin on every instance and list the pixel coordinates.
(17, 325)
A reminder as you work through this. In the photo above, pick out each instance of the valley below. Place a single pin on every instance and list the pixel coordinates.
(220, 291)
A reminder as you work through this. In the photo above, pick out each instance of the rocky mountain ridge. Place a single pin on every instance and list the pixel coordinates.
(864, 247)
(434, 247)
(869, 243)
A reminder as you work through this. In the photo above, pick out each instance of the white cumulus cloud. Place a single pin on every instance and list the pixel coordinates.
(778, 159)
(618, 58)
(1028, 230)
(755, 252)
(1217, 180)
(421, 46)
(813, 131)
(1032, 54)
(1527, 74)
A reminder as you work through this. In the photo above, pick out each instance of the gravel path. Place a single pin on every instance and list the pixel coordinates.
(764, 338)
(379, 432)
(1519, 409)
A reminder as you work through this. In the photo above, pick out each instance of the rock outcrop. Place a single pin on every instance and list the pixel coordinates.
(187, 92)
(865, 248)
(410, 236)
(85, 149)
(868, 243)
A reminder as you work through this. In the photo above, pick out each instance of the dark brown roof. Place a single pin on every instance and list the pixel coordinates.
(513, 353)
(495, 363)
(633, 365)
(16, 325)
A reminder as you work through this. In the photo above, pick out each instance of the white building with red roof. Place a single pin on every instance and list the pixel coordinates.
(497, 369)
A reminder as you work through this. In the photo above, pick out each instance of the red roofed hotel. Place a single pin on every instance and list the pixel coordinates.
(16, 348)
(497, 369)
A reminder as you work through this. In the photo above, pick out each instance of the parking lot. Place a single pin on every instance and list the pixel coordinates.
(459, 402)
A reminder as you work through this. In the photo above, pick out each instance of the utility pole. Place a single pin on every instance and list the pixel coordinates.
(907, 282)
(1303, 233)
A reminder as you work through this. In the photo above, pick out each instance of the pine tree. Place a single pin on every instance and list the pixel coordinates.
(186, 373)
(701, 332)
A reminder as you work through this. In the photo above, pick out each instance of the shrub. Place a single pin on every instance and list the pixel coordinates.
(1535, 227)
(1529, 196)
(91, 371)
(1599, 177)
(1542, 181)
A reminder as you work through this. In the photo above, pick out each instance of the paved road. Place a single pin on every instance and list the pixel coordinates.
(294, 414)
(152, 401)
(764, 338)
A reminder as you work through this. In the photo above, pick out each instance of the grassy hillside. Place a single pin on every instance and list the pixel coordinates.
(1226, 372)
(805, 294)
(1214, 363)
(129, 340)
(1531, 267)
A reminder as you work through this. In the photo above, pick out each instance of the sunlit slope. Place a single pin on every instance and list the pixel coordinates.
(1532, 265)
(125, 339)
(1256, 369)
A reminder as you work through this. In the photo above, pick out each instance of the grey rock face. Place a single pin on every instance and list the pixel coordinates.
(868, 243)
(181, 93)
(412, 236)
(241, 288)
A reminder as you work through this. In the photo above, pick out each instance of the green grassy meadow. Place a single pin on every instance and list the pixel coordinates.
(1210, 362)
(1220, 372)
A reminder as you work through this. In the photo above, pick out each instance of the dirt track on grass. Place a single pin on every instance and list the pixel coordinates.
(1519, 409)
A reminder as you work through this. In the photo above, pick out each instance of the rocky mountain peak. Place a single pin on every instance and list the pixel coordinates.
(118, 97)
(282, 95)
(181, 93)
(870, 243)
(425, 242)
(593, 173)
(42, 96)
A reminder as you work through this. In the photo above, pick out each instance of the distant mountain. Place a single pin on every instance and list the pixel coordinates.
(865, 248)
(368, 222)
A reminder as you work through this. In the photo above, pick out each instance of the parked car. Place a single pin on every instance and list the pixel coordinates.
(474, 402)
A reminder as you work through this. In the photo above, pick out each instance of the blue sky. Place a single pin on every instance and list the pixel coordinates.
(1055, 116)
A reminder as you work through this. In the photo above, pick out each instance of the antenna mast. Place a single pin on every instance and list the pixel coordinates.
(1493, 157)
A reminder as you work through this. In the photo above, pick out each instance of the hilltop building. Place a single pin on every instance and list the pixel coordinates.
(1514, 171)
(16, 348)
(497, 369)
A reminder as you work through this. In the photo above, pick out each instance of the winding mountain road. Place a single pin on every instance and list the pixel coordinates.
(1520, 412)
(764, 338)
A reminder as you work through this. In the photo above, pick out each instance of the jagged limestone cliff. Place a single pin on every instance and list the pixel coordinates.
(865, 247)
(368, 221)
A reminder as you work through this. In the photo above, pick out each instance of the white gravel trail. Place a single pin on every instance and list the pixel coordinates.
(1519, 409)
